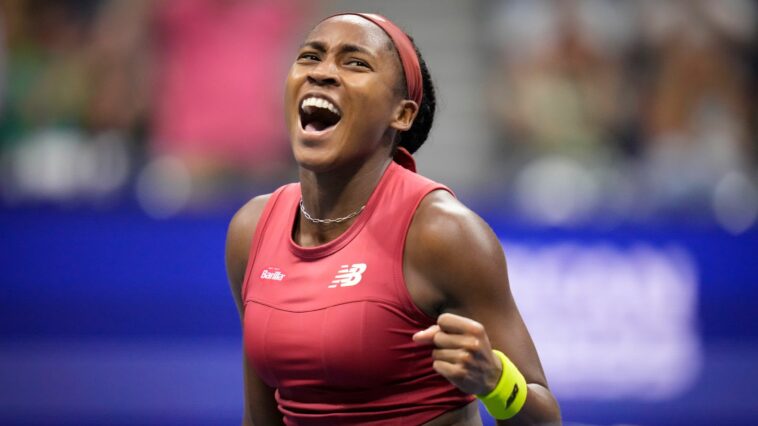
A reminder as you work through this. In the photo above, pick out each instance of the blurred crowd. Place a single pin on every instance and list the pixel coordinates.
(170, 98)
(621, 110)
(628, 108)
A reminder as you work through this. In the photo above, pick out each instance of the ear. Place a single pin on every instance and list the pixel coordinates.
(404, 115)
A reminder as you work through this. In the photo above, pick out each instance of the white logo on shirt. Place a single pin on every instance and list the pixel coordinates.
(273, 274)
(349, 276)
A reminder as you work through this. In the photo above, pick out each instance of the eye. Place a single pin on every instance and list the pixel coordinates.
(307, 57)
(358, 63)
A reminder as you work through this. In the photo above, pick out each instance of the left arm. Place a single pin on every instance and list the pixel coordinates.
(453, 252)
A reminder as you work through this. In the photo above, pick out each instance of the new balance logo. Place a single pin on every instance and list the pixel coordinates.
(512, 397)
(349, 275)
(273, 274)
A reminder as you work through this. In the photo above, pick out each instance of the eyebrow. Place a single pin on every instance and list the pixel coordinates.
(342, 48)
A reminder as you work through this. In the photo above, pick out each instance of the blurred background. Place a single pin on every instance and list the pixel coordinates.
(612, 145)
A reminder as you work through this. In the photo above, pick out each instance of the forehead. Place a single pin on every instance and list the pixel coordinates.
(350, 29)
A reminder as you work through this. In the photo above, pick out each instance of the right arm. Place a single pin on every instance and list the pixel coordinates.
(260, 407)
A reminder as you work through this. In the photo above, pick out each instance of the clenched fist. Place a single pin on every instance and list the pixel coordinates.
(462, 353)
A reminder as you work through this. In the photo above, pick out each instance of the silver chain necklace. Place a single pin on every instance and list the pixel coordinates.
(337, 220)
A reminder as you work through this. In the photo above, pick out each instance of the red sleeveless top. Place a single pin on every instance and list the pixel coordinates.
(330, 326)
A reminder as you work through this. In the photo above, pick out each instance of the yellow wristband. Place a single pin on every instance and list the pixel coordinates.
(509, 396)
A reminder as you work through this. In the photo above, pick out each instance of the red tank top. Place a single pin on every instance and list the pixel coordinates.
(330, 326)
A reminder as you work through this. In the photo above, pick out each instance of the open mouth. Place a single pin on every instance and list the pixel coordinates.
(318, 114)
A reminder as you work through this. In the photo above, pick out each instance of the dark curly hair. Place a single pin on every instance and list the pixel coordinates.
(419, 131)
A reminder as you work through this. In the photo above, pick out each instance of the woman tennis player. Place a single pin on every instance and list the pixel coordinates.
(369, 295)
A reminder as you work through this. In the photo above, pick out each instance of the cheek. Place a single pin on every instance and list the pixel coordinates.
(290, 85)
(290, 96)
(377, 110)
(374, 97)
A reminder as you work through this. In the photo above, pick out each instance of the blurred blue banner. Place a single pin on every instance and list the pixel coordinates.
(119, 318)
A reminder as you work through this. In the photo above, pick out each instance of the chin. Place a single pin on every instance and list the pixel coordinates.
(314, 158)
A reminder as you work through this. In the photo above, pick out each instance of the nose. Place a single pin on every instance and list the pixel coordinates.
(324, 74)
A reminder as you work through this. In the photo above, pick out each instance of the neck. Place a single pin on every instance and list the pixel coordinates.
(336, 194)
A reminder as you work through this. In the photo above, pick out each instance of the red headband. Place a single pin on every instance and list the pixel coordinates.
(404, 47)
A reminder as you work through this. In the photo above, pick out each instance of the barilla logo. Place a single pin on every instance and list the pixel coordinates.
(273, 274)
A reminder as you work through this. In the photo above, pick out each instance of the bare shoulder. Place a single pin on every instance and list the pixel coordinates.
(444, 226)
(451, 245)
(239, 236)
(246, 218)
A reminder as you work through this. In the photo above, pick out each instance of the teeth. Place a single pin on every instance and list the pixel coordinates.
(320, 103)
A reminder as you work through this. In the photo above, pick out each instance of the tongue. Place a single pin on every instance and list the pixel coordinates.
(316, 126)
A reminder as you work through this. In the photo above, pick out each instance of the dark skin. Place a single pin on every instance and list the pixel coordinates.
(453, 263)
